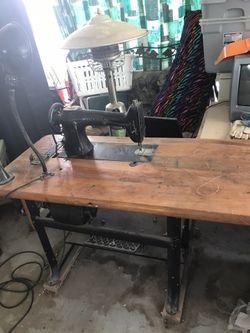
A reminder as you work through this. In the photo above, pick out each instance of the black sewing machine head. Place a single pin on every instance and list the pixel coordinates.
(72, 123)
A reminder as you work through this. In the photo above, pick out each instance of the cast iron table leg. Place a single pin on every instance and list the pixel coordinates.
(185, 235)
(55, 271)
(174, 255)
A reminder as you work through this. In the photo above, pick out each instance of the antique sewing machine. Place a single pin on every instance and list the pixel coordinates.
(71, 123)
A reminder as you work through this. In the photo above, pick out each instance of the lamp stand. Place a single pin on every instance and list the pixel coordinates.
(105, 55)
(5, 176)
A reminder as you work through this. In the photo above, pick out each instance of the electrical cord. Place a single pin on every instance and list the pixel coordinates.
(54, 139)
(41, 177)
(27, 283)
(56, 143)
(56, 107)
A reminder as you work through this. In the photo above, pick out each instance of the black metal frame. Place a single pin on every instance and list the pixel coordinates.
(176, 242)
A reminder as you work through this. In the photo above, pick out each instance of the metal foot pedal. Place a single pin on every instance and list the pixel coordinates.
(112, 244)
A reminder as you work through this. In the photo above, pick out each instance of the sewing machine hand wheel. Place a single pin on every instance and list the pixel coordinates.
(56, 108)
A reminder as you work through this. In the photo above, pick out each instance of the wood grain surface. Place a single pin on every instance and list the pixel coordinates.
(191, 178)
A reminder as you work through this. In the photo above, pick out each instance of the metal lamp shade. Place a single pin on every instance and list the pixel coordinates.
(102, 31)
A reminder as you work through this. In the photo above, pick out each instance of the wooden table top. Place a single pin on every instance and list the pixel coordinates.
(191, 178)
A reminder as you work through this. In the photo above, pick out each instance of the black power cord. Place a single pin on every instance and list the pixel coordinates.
(28, 284)
(24, 185)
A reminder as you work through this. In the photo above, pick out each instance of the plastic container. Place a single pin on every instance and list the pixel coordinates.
(212, 9)
(118, 131)
(88, 82)
(217, 33)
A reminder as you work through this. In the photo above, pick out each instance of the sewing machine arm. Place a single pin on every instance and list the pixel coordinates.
(72, 123)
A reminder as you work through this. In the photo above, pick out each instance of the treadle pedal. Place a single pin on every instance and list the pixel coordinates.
(112, 243)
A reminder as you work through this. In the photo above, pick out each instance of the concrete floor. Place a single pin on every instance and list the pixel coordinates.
(107, 292)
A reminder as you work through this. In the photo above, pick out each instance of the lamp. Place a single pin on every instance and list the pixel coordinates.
(16, 57)
(102, 35)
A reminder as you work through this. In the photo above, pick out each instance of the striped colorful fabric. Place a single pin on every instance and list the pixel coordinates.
(188, 87)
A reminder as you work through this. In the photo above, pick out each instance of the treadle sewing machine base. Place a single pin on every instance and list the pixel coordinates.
(175, 246)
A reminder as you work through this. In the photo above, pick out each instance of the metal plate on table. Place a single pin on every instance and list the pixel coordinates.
(118, 152)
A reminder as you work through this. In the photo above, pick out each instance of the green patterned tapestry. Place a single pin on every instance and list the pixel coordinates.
(162, 18)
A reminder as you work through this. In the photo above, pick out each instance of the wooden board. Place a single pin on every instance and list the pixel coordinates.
(189, 178)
